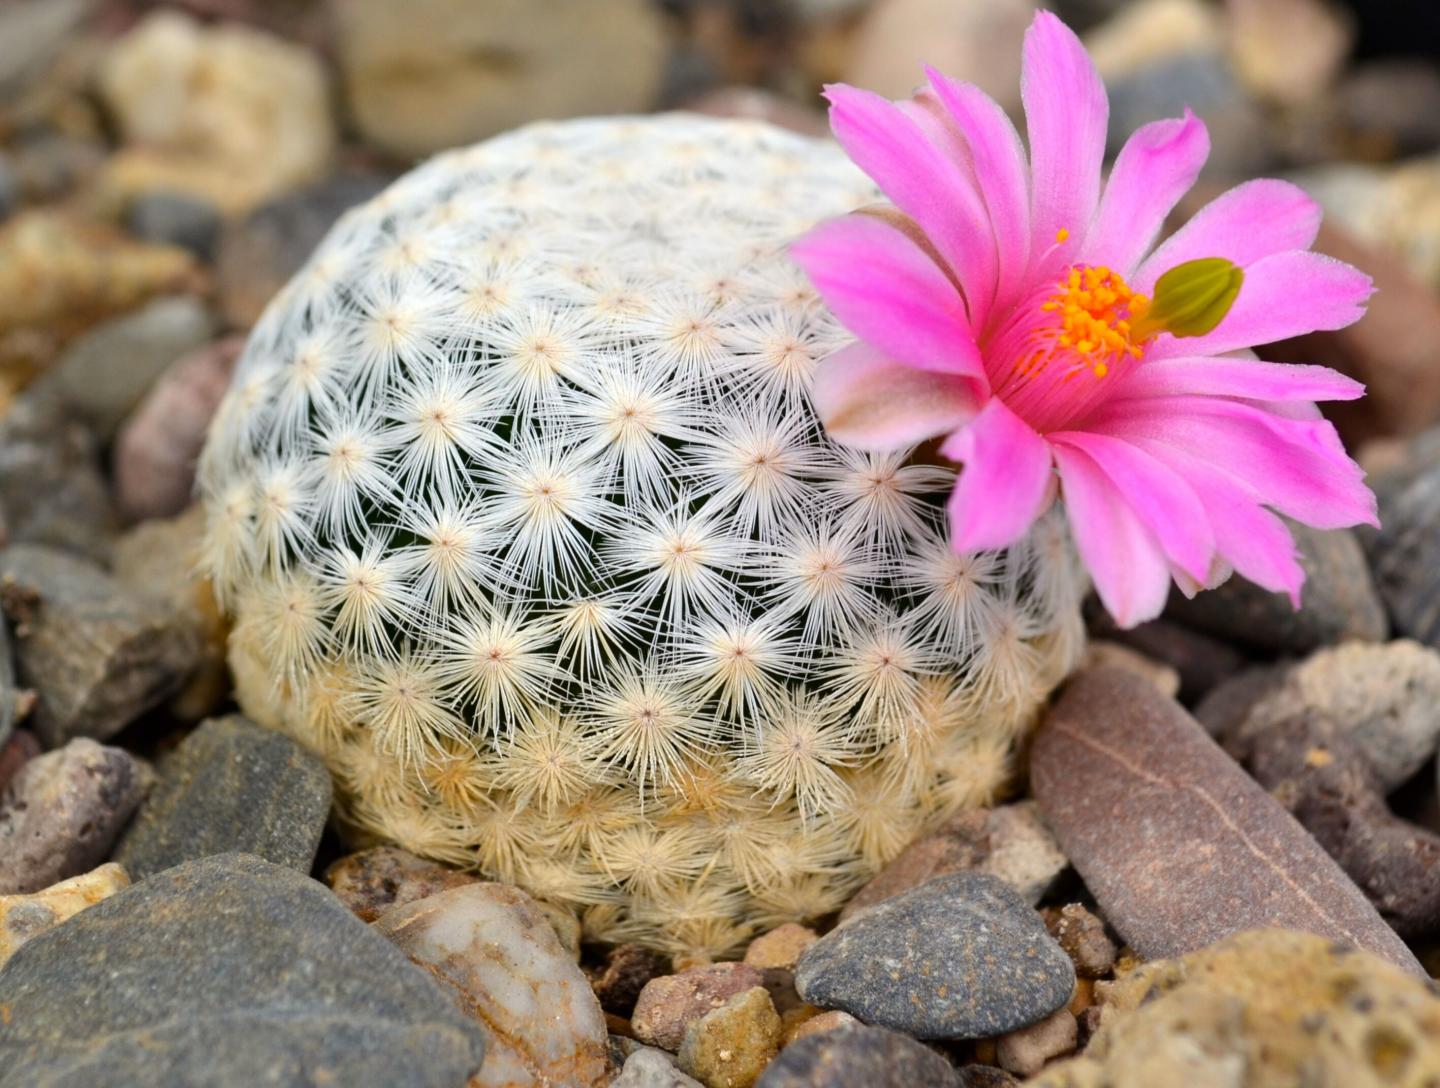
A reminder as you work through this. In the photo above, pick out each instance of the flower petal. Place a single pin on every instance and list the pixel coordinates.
(1284, 295)
(1154, 169)
(925, 184)
(1243, 224)
(1066, 112)
(1123, 557)
(998, 159)
(1161, 499)
(1222, 376)
(888, 292)
(872, 403)
(1006, 483)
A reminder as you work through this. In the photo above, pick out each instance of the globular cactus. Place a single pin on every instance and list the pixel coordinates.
(529, 529)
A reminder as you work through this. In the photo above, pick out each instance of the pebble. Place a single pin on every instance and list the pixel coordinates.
(871, 1056)
(9, 188)
(1179, 846)
(781, 948)
(1084, 939)
(1141, 33)
(1225, 708)
(61, 812)
(1405, 554)
(626, 970)
(496, 950)
(52, 489)
(1340, 601)
(374, 880)
(9, 694)
(730, 1046)
(175, 219)
(104, 374)
(230, 787)
(1262, 1009)
(15, 753)
(1099, 652)
(1390, 107)
(963, 956)
(1025, 1052)
(1201, 662)
(985, 1076)
(651, 1068)
(1024, 853)
(23, 917)
(97, 655)
(1288, 52)
(830, 1020)
(235, 973)
(671, 1003)
(443, 73)
(159, 443)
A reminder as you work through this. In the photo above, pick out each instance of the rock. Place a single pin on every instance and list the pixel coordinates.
(9, 188)
(1340, 601)
(1084, 940)
(985, 1076)
(230, 787)
(1288, 52)
(31, 36)
(869, 1056)
(497, 952)
(651, 1068)
(374, 880)
(261, 251)
(1225, 708)
(832, 1020)
(9, 694)
(175, 219)
(781, 947)
(442, 73)
(225, 112)
(960, 957)
(1405, 554)
(975, 40)
(15, 753)
(160, 441)
(160, 559)
(566, 926)
(752, 103)
(1025, 1052)
(23, 917)
(1142, 33)
(97, 655)
(1262, 1009)
(235, 973)
(1178, 845)
(671, 1003)
(62, 810)
(1201, 662)
(103, 375)
(1099, 653)
(1390, 108)
(52, 490)
(1010, 842)
(626, 970)
(730, 1047)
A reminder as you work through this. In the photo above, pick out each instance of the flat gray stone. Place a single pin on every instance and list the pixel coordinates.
(227, 972)
(962, 956)
(867, 1056)
(231, 786)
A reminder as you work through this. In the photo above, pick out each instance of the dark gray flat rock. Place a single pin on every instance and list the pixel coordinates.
(866, 1056)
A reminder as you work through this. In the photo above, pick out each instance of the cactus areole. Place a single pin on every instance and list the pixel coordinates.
(529, 529)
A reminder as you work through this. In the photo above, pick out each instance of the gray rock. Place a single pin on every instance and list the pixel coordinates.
(651, 1068)
(869, 1056)
(177, 219)
(9, 694)
(62, 810)
(9, 188)
(1405, 554)
(1229, 703)
(1339, 601)
(103, 375)
(227, 972)
(960, 957)
(231, 786)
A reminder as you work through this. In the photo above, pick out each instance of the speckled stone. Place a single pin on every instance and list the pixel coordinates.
(960, 957)
(494, 947)
(651, 1068)
(227, 972)
(372, 881)
(671, 1003)
(730, 1046)
(868, 1056)
(1179, 846)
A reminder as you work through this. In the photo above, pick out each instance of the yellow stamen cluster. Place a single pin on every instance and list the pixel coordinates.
(1096, 308)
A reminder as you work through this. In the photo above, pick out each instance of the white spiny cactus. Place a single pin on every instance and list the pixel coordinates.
(530, 530)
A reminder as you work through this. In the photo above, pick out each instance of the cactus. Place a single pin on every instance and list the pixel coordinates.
(529, 529)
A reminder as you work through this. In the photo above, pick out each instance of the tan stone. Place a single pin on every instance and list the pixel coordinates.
(1142, 33)
(816, 1023)
(1100, 652)
(1025, 1052)
(25, 916)
(730, 1047)
(781, 947)
(668, 1005)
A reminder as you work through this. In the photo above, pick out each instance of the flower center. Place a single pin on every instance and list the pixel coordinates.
(1095, 307)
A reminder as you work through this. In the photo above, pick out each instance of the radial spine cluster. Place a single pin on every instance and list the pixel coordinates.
(529, 529)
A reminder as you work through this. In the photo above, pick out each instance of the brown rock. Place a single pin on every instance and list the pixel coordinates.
(670, 1004)
(1083, 937)
(817, 1023)
(373, 881)
(1201, 661)
(730, 1047)
(25, 916)
(1178, 845)
(15, 753)
(781, 947)
(1026, 1051)
(626, 970)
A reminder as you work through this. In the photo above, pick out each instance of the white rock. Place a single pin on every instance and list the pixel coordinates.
(651, 1068)
(1023, 852)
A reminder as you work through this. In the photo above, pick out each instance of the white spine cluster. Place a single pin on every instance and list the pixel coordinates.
(530, 530)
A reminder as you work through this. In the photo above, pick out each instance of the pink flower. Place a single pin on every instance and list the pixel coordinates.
(1014, 308)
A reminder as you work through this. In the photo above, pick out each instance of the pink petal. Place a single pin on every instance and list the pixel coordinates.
(1124, 558)
(1243, 224)
(998, 159)
(1284, 295)
(1006, 483)
(888, 292)
(873, 403)
(1221, 376)
(924, 183)
(1065, 112)
(1161, 499)
(1154, 169)
(1297, 466)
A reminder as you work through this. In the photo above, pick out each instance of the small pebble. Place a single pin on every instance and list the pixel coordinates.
(23, 917)
(647, 1067)
(869, 1056)
(819, 1022)
(1100, 652)
(15, 753)
(1025, 1052)
(730, 1046)
(781, 947)
(374, 880)
(175, 219)
(671, 1003)
(1083, 937)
